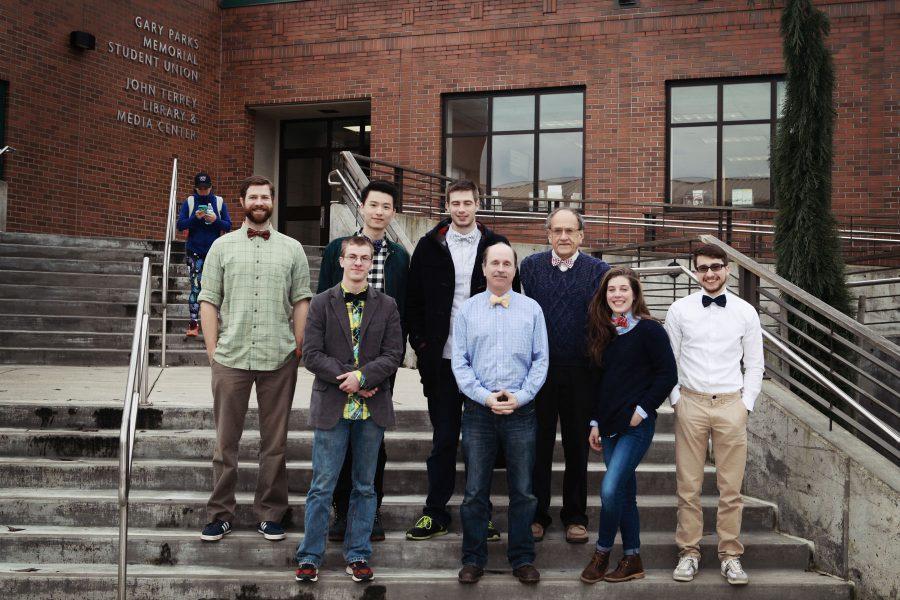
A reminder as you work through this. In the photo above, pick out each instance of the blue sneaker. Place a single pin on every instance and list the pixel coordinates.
(215, 531)
(271, 530)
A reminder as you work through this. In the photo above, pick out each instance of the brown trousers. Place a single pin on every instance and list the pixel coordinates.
(231, 394)
(697, 417)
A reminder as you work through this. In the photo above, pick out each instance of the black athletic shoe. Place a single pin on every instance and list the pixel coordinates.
(425, 529)
(377, 529)
(493, 533)
(337, 528)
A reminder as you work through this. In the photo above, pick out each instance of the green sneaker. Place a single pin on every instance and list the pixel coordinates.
(425, 529)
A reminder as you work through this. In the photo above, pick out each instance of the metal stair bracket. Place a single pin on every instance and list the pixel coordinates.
(136, 394)
(351, 179)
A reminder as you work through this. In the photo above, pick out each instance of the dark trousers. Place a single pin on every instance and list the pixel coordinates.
(565, 396)
(341, 498)
(445, 411)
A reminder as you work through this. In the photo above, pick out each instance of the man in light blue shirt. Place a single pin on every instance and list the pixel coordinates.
(500, 360)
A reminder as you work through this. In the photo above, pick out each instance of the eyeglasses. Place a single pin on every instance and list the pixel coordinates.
(715, 268)
(558, 231)
(352, 259)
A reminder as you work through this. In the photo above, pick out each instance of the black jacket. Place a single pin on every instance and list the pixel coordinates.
(429, 295)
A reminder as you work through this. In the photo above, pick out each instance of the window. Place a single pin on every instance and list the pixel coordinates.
(719, 140)
(3, 87)
(523, 149)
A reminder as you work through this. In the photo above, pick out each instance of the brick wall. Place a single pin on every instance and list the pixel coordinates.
(402, 56)
(78, 169)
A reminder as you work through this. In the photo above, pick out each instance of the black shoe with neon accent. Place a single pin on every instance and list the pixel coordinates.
(425, 529)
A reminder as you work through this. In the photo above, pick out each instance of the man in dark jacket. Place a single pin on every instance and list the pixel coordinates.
(352, 345)
(444, 272)
(390, 264)
(205, 217)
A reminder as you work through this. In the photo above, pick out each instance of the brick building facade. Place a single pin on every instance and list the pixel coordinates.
(80, 169)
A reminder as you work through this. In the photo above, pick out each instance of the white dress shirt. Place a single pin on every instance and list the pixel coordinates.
(709, 344)
(463, 250)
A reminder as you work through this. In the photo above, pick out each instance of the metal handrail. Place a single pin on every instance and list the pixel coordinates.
(167, 259)
(136, 394)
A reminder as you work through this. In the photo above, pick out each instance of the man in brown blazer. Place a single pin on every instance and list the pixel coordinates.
(352, 345)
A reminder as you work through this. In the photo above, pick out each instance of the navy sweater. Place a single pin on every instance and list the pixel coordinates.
(201, 234)
(564, 298)
(638, 369)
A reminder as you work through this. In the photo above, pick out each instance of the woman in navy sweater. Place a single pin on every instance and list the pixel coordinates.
(633, 372)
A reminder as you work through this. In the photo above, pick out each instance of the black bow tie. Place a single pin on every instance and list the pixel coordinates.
(720, 300)
(360, 297)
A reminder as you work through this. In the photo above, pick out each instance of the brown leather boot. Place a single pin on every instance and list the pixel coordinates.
(596, 569)
(629, 568)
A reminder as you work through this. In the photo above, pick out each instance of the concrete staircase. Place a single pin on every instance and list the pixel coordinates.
(71, 300)
(58, 472)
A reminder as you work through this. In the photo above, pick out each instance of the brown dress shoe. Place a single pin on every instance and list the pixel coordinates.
(596, 569)
(630, 567)
(470, 574)
(576, 534)
(527, 574)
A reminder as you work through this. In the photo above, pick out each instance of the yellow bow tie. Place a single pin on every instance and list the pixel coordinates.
(503, 300)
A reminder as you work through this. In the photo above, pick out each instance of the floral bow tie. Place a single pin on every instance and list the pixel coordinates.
(468, 238)
(501, 300)
(567, 263)
(620, 321)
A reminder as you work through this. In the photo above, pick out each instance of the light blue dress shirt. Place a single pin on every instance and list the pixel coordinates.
(497, 348)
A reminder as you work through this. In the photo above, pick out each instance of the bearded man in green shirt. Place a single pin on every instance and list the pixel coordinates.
(257, 280)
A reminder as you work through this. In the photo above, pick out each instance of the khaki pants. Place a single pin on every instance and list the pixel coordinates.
(697, 417)
(231, 394)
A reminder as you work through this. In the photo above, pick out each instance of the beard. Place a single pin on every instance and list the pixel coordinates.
(257, 220)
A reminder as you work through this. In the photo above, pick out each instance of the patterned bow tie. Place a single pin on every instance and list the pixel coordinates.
(252, 233)
(468, 238)
(567, 263)
(620, 321)
(360, 297)
(720, 300)
(378, 244)
(501, 300)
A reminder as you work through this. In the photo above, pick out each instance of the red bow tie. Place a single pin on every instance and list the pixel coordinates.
(620, 321)
(252, 233)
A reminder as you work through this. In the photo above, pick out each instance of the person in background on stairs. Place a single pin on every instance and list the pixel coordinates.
(353, 345)
(257, 279)
(390, 266)
(500, 360)
(632, 374)
(713, 332)
(563, 281)
(445, 270)
(205, 217)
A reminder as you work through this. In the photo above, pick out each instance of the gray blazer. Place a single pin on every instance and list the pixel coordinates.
(328, 352)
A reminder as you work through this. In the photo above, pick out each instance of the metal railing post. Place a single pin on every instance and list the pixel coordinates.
(167, 258)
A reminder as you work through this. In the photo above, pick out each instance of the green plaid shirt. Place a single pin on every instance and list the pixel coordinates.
(255, 283)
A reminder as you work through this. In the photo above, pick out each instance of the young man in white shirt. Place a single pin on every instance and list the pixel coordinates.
(712, 333)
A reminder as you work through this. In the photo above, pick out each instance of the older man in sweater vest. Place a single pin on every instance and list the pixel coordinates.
(562, 281)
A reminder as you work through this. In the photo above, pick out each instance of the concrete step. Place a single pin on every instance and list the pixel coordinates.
(48, 544)
(96, 323)
(400, 477)
(86, 253)
(97, 357)
(199, 444)
(90, 340)
(105, 415)
(78, 293)
(45, 239)
(186, 509)
(61, 279)
(111, 266)
(80, 581)
(89, 308)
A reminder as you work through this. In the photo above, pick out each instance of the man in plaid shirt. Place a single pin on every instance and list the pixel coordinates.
(390, 264)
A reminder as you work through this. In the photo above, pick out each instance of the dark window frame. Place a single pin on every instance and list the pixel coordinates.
(536, 131)
(720, 123)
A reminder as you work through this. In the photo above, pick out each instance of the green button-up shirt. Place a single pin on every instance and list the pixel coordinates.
(255, 283)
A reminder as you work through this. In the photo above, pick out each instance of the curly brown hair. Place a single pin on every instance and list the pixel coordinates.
(601, 330)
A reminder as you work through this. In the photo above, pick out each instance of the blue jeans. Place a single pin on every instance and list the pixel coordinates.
(329, 450)
(618, 492)
(483, 434)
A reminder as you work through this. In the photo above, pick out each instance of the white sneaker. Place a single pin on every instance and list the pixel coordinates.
(734, 572)
(686, 569)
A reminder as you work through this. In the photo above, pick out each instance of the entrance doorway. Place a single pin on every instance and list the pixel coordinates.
(309, 151)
